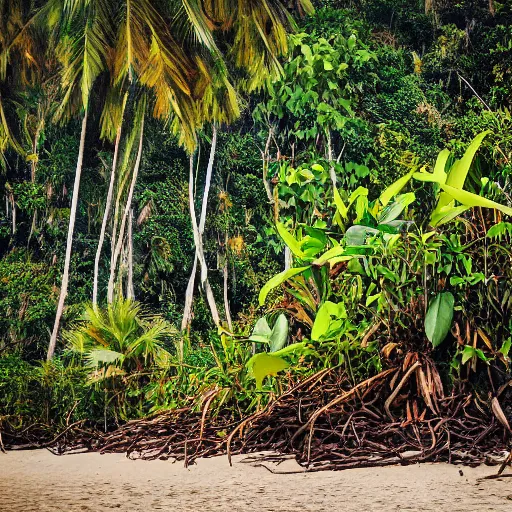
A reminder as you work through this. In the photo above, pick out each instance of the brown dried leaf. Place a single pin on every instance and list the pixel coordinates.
(387, 349)
(500, 415)
(485, 339)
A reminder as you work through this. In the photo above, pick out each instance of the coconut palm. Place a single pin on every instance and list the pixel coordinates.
(169, 49)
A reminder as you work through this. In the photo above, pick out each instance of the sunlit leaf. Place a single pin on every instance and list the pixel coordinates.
(278, 279)
(264, 365)
(279, 333)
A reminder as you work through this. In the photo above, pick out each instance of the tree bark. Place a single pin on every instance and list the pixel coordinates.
(130, 290)
(69, 243)
(108, 204)
(117, 251)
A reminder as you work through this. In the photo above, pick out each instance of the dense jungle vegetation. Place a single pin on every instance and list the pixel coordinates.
(206, 203)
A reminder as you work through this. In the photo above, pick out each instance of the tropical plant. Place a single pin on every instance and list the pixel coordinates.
(120, 339)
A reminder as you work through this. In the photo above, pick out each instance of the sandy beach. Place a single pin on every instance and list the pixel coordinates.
(36, 481)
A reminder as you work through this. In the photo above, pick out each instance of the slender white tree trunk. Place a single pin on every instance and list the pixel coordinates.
(69, 243)
(198, 231)
(117, 251)
(130, 290)
(108, 204)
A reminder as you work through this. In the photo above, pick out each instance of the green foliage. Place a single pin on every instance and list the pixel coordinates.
(27, 303)
(438, 319)
(348, 132)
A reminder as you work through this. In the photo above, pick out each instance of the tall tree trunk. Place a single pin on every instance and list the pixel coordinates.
(189, 297)
(117, 251)
(130, 290)
(33, 169)
(226, 299)
(69, 243)
(108, 204)
(198, 240)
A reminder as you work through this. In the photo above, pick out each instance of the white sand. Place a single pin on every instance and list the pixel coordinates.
(37, 481)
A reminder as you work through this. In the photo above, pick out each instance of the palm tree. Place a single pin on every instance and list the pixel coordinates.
(82, 49)
(169, 49)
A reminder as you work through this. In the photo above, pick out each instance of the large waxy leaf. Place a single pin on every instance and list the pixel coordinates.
(357, 235)
(97, 357)
(438, 319)
(395, 188)
(279, 333)
(446, 214)
(275, 281)
(393, 210)
(261, 332)
(290, 241)
(471, 200)
(328, 321)
(331, 253)
(439, 175)
(263, 365)
(459, 170)
(301, 348)
(340, 205)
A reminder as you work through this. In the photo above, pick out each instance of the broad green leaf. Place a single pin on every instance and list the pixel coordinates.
(331, 253)
(358, 192)
(459, 170)
(499, 230)
(263, 365)
(301, 348)
(346, 105)
(505, 347)
(446, 214)
(388, 274)
(439, 175)
(439, 169)
(339, 259)
(357, 235)
(393, 210)
(372, 298)
(438, 320)
(290, 241)
(426, 236)
(340, 205)
(472, 200)
(278, 279)
(469, 352)
(261, 332)
(395, 188)
(328, 320)
(279, 333)
(311, 246)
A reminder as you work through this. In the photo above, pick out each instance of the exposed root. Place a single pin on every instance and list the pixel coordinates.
(323, 421)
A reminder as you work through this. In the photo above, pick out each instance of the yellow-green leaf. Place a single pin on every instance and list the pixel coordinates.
(290, 241)
(263, 365)
(277, 280)
(395, 188)
(472, 200)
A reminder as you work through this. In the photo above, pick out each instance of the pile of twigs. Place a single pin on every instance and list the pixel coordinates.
(324, 421)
